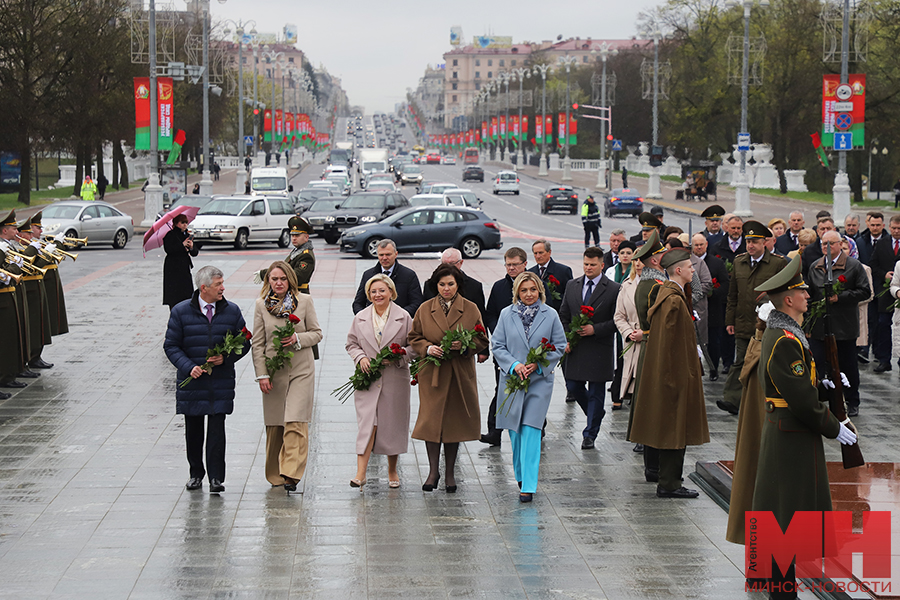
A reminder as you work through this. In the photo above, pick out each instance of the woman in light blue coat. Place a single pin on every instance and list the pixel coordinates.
(523, 326)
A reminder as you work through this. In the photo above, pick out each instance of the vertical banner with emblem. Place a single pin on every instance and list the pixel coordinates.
(141, 113)
(288, 127)
(165, 106)
(165, 98)
(267, 125)
(573, 130)
(523, 134)
(484, 130)
(494, 128)
(844, 110)
(515, 127)
(539, 130)
(548, 129)
(561, 134)
(279, 116)
(502, 127)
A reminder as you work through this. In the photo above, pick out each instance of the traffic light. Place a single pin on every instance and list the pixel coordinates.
(575, 106)
(609, 137)
(256, 111)
(656, 154)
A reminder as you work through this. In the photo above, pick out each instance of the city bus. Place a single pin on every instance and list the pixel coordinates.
(471, 156)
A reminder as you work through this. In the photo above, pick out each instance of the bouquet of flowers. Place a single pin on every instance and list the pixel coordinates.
(552, 285)
(233, 343)
(715, 285)
(282, 355)
(465, 336)
(514, 383)
(817, 308)
(362, 380)
(584, 316)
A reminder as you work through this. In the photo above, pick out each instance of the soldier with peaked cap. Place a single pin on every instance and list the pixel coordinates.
(750, 269)
(652, 277)
(713, 215)
(14, 265)
(670, 411)
(59, 321)
(649, 222)
(791, 448)
(11, 350)
(302, 258)
(38, 305)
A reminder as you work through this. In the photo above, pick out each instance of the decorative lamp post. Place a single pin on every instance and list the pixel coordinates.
(520, 74)
(567, 61)
(206, 184)
(241, 177)
(841, 188)
(153, 193)
(274, 58)
(543, 69)
(653, 185)
(604, 53)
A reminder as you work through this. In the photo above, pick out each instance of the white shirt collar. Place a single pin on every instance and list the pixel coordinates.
(204, 304)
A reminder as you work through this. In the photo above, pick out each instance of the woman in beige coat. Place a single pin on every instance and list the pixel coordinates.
(448, 395)
(626, 319)
(288, 393)
(382, 411)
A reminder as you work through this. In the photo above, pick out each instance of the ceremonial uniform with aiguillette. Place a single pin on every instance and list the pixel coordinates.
(11, 264)
(56, 299)
(644, 297)
(11, 351)
(38, 305)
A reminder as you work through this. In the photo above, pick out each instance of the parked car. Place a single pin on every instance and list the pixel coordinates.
(321, 216)
(427, 229)
(473, 173)
(186, 200)
(95, 220)
(623, 201)
(506, 182)
(411, 174)
(449, 160)
(461, 197)
(366, 207)
(559, 197)
(240, 220)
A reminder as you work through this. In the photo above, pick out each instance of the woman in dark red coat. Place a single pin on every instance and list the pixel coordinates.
(179, 247)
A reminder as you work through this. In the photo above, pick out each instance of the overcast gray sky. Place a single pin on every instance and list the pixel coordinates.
(381, 48)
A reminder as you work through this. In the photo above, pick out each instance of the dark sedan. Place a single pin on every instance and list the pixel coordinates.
(321, 216)
(473, 173)
(559, 197)
(427, 228)
(623, 201)
(307, 196)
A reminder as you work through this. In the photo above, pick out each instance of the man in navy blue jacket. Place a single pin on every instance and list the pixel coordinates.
(409, 292)
(195, 326)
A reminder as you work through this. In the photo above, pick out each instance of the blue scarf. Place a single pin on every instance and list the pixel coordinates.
(526, 313)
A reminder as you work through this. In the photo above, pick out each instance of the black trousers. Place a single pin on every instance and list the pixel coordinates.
(671, 466)
(591, 229)
(492, 411)
(847, 362)
(215, 445)
(651, 459)
(716, 346)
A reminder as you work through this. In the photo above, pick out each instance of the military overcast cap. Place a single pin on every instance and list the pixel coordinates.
(299, 225)
(755, 229)
(714, 212)
(650, 247)
(788, 278)
(25, 225)
(9, 220)
(674, 256)
(649, 220)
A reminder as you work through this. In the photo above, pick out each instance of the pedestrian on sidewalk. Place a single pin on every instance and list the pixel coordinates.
(624, 177)
(179, 247)
(88, 189)
(590, 220)
(196, 326)
(102, 182)
(216, 169)
(196, 189)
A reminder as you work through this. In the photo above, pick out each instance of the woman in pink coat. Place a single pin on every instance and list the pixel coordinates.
(382, 411)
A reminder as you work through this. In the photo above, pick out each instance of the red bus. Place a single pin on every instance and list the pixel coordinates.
(471, 156)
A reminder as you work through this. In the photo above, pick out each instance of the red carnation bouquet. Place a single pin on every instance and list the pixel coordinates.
(584, 317)
(465, 336)
(361, 380)
(552, 286)
(817, 308)
(282, 354)
(233, 343)
(514, 383)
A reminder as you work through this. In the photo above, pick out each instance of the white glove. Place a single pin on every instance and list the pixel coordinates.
(696, 316)
(4, 278)
(50, 248)
(827, 384)
(845, 436)
(844, 380)
(18, 260)
(36, 244)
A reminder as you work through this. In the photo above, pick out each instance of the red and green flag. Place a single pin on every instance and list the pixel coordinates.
(820, 151)
(177, 143)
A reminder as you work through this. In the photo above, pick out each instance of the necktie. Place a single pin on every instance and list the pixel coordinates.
(615, 259)
(753, 264)
(543, 271)
(209, 312)
(588, 291)
(896, 247)
(794, 240)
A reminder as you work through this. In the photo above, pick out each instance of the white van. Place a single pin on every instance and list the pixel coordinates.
(269, 180)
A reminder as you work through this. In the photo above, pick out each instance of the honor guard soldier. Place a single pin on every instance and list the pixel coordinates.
(59, 321)
(792, 474)
(750, 269)
(713, 215)
(15, 266)
(11, 351)
(302, 258)
(649, 223)
(38, 305)
(645, 293)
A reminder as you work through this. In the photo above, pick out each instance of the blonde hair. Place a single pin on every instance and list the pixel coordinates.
(632, 271)
(387, 281)
(807, 236)
(289, 273)
(529, 276)
(776, 221)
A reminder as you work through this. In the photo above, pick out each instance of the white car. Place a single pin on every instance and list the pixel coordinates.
(429, 200)
(240, 220)
(507, 182)
(380, 185)
(449, 160)
(464, 198)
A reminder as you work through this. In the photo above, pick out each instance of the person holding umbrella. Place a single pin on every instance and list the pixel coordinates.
(179, 247)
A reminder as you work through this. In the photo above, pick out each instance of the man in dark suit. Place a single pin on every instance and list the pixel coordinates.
(516, 261)
(409, 292)
(713, 215)
(866, 241)
(788, 240)
(813, 252)
(472, 289)
(616, 237)
(732, 243)
(546, 267)
(884, 257)
(592, 359)
(718, 299)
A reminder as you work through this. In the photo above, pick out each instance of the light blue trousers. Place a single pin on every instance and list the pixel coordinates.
(526, 447)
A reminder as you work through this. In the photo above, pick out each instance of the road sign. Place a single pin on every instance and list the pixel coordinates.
(617, 145)
(843, 141)
(248, 139)
(743, 142)
(843, 121)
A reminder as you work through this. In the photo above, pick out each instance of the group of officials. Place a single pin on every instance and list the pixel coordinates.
(32, 302)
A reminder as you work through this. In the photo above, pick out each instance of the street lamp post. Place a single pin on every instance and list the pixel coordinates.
(841, 188)
(567, 61)
(605, 52)
(653, 184)
(274, 58)
(521, 74)
(507, 76)
(153, 193)
(542, 69)
(241, 177)
(255, 46)
(206, 184)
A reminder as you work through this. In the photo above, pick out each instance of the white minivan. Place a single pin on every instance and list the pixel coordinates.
(269, 180)
(506, 181)
(239, 220)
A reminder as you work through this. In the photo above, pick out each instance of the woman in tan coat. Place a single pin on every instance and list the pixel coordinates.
(382, 411)
(288, 393)
(626, 319)
(448, 395)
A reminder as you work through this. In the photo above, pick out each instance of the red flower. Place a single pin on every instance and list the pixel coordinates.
(415, 380)
(551, 348)
(553, 280)
(246, 333)
(293, 319)
(544, 341)
(716, 284)
(397, 349)
(842, 279)
(479, 329)
(588, 311)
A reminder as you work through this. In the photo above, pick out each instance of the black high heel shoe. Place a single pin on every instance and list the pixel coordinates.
(429, 487)
(451, 489)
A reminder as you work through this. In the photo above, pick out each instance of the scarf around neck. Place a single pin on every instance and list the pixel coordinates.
(526, 313)
(651, 273)
(445, 304)
(280, 308)
(780, 320)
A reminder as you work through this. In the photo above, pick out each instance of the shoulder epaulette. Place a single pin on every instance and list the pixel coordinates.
(789, 335)
(659, 281)
(305, 251)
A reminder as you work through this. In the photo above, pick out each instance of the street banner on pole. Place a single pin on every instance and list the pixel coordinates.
(539, 130)
(502, 127)
(267, 125)
(548, 129)
(844, 109)
(573, 130)
(164, 101)
(523, 133)
(494, 128)
(561, 134)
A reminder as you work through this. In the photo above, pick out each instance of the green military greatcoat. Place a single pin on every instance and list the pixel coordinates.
(644, 297)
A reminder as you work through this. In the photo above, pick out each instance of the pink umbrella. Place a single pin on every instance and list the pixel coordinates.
(154, 236)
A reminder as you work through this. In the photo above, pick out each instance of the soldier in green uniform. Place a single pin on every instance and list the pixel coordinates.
(792, 474)
(59, 321)
(652, 277)
(14, 265)
(750, 269)
(11, 351)
(38, 305)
